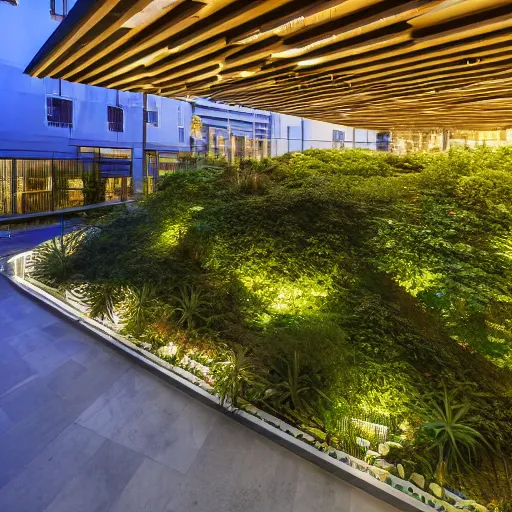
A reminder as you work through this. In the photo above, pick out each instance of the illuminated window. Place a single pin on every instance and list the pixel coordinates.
(115, 119)
(58, 9)
(116, 153)
(59, 112)
(151, 117)
(119, 153)
(181, 125)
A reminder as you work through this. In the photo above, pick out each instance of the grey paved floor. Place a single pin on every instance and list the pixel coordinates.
(83, 429)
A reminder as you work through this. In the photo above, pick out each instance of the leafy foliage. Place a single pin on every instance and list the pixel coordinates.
(456, 441)
(52, 263)
(236, 375)
(345, 284)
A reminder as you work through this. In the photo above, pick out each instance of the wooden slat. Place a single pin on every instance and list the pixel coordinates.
(376, 64)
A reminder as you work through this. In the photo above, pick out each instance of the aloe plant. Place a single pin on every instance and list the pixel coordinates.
(452, 433)
(52, 263)
(190, 305)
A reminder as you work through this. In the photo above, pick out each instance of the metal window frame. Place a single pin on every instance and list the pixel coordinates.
(147, 114)
(53, 124)
(53, 8)
(113, 123)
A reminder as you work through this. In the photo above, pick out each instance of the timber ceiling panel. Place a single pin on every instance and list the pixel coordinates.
(384, 64)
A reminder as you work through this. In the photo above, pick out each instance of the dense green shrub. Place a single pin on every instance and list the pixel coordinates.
(330, 284)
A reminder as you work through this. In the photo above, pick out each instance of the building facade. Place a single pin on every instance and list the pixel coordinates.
(64, 144)
(291, 133)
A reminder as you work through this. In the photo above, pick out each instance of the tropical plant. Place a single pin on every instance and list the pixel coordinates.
(52, 262)
(140, 307)
(236, 374)
(103, 299)
(296, 389)
(452, 433)
(190, 306)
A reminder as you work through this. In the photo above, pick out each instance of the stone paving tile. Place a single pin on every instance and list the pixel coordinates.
(150, 489)
(84, 429)
(98, 486)
(45, 359)
(5, 422)
(24, 400)
(44, 478)
(13, 369)
(29, 340)
(24, 441)
(96, 380)
(151, 418)
(318, 493)
(36, 393)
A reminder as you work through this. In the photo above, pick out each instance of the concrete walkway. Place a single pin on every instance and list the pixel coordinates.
(84, 429)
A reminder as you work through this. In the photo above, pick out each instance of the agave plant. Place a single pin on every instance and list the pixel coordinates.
(452, 433)
(103, 299)
(52, 264)
(190, 305)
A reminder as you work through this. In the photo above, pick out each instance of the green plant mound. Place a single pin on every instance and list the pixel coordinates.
(332, 285)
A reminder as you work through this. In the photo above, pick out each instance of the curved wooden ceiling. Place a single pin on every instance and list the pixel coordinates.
(384, 64)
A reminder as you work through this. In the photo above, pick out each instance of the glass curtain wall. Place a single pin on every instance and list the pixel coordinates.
(40, 185)
(5, 187)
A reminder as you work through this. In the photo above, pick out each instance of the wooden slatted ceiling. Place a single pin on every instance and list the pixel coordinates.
(385, 64)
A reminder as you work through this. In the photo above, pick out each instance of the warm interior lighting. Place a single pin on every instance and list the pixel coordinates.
(246, 74)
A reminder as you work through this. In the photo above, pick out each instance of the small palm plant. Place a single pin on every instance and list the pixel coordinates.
(452, 433)
(190, 306)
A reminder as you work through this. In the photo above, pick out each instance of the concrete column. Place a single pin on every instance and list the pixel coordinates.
(446, 140)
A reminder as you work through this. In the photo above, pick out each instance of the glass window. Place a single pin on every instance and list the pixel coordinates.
(121, 153)
(115, 119)
(151, 117)
(167, 162)
(338, 136)
(59, 112)
(58, 9)
(181, 125)
(86, 149)
(116, 153)
(181, 134)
